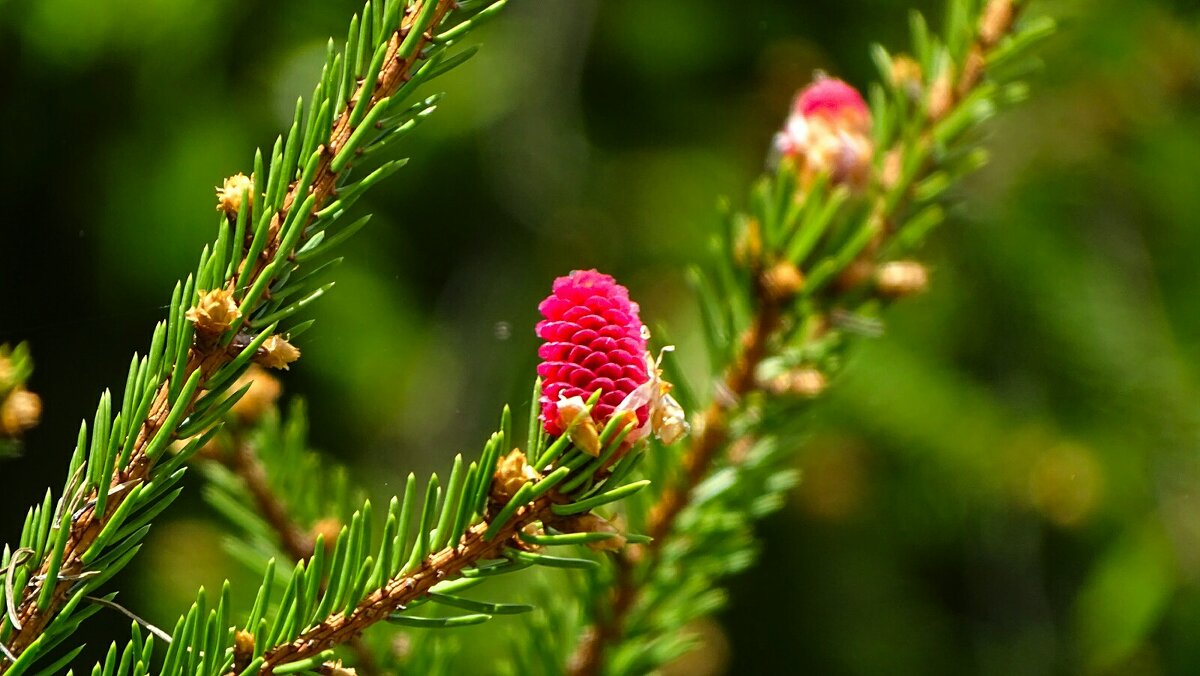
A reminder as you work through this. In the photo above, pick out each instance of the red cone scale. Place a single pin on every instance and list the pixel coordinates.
(594, 340)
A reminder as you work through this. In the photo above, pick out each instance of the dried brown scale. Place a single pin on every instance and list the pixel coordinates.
(999, 16)
(87, 527)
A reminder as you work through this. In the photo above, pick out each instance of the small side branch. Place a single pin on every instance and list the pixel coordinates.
(400, 591)
(244, 462)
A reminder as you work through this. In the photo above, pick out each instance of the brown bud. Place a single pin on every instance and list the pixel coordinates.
(229, 197)
(20, 411)
(260, 398)
(326, 529)
(512, 472)
(802, 382)
(277, 353)
(214, 313)
(243, 648)
(781, 281)
(901, 278)
(857, 273)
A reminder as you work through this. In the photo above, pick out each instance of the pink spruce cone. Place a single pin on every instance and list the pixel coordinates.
(828, 131)
(833, 99)
(594, 340)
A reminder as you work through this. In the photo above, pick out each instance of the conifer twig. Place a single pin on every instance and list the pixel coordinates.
(244, 463)
(705, 447)
(35, 609)
(398, 592)
(242, 460)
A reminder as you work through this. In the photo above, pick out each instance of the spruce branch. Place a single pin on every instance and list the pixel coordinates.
(245, 464)
(248, 284)
(830, 254)
(266, 459)
(491, 517)
(403, 590)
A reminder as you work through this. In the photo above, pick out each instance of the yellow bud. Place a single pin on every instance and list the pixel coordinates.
(6, 372)
(215, 312)
(243, 643)
(997, 17)
(261, 397)
(782, 280)
(599, 525)
(941, 95)
(327, 529)
(591, 523)
(907, 76)
(901, 278)
(229, 197)
(748, 246)
(802, 382)
(20, 411)
(336, 669)
(512, 472)
(893, 165)
(277, 353)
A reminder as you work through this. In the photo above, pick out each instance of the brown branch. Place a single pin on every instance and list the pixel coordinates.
(244, 462)
(398, 592)
(297, 544)
(208, 355)
(997, 20)
(710, 438)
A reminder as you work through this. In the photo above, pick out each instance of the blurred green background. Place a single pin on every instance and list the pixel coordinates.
(1007, 483)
